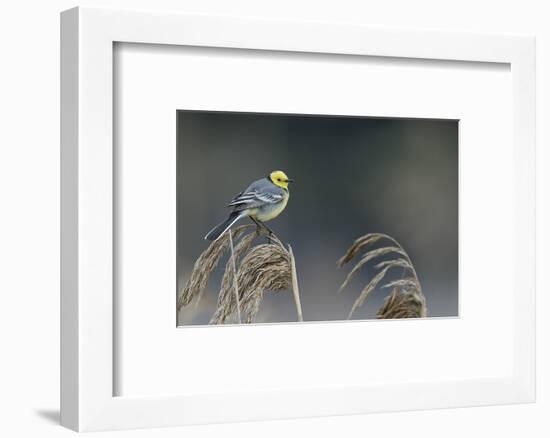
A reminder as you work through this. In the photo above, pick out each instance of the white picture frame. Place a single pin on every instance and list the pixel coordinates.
(88, 400)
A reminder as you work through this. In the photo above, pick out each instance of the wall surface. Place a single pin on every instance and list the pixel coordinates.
(29, 223)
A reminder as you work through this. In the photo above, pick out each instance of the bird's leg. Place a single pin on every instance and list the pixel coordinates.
(255, 221)
(260, 224)
(271, 233)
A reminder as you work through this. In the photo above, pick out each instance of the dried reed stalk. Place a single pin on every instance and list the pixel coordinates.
(406, 299)
(265, 268)
(269, 267)
(295, 288)
(226, 296)
(234, 269)
(249, 272)
(204, 266)
(403, 304)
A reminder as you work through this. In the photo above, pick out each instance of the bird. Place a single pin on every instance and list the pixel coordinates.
(261, 201)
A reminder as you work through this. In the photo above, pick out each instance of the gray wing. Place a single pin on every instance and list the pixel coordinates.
(259, 193)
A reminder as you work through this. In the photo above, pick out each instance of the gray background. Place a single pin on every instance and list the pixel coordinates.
(353, 176)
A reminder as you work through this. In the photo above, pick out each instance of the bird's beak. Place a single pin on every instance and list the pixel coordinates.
(289, 180)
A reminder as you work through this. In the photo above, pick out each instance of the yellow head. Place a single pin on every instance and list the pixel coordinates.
(279, 178)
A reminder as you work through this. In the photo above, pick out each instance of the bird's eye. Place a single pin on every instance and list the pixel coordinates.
(279, 179)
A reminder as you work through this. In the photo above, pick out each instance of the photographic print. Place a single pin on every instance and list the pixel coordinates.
(297, 218)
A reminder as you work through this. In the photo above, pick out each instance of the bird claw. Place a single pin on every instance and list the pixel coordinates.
(270, 239)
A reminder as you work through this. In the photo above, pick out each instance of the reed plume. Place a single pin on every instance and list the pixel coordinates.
(403, 304)
(204, 266)
(406, 299)
(249, 272)
(227, 296)
(265, 268)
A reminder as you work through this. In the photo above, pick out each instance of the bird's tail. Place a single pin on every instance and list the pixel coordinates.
(216, 232)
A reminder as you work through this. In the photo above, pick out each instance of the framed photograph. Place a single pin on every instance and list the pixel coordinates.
(359, 174)
(275, 219)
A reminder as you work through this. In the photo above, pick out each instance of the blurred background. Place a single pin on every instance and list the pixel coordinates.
(354, 175)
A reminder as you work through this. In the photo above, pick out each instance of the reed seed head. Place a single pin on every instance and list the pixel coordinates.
(406, 299)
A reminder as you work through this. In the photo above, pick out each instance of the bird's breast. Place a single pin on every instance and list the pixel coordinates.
(268, 212)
